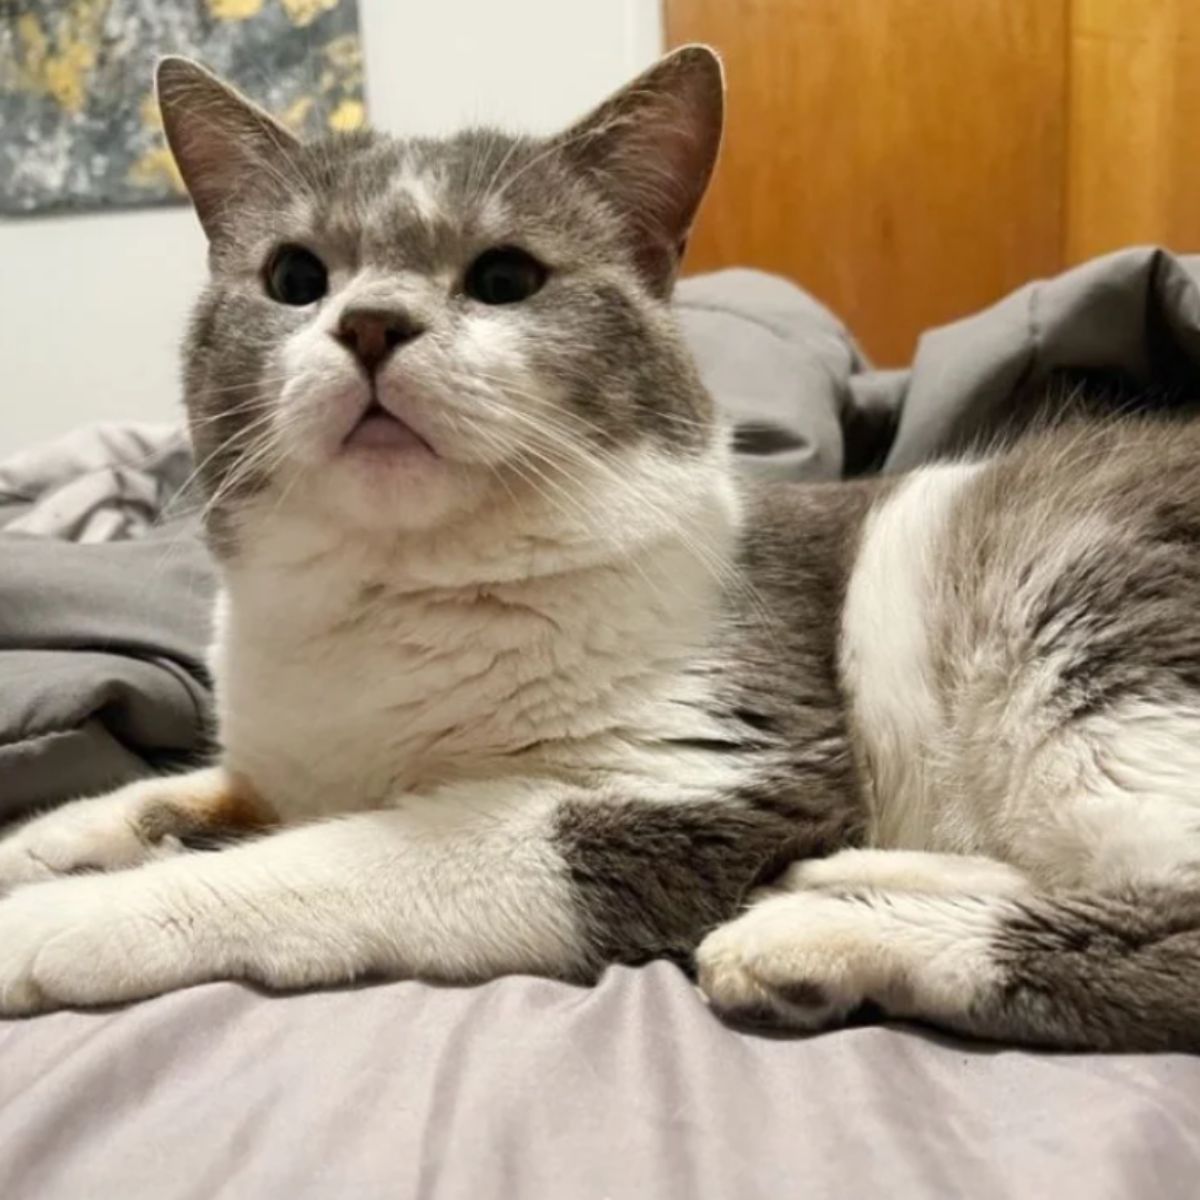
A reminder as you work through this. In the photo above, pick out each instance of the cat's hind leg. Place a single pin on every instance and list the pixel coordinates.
(862, 925)
(139, 823)
(904, 870)
(1098, 970)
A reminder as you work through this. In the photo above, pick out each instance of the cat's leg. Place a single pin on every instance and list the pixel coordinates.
(904, 870)
(464, 884)
(1110, 802)
(832, 933)
(136, 824)
(1098, 971)
(808, 959)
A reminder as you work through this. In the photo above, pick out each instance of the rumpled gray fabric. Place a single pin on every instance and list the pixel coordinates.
(809, 406)
(526, 1087)
(1132, 317)
(104, 611)
(102, 679)
(101, 483)
(778, 364)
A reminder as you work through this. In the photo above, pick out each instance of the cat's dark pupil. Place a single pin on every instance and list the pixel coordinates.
(505, 275)
(296, 276)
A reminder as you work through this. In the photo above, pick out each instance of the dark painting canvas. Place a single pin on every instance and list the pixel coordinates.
(78, 125)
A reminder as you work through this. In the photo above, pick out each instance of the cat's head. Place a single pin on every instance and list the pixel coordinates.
(401, 332)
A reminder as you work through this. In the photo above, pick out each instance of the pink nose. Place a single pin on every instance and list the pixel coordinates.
(371, 334)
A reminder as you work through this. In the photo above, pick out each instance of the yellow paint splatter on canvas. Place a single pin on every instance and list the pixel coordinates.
(348, 116)
(57, 63)
(297, 112)
(344, 53)
(234, 10)
(148, 111)
(305, 12)
(77, 75)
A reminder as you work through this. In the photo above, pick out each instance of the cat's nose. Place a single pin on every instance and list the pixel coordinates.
(371, 334)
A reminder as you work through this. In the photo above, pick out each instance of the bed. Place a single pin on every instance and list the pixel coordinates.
(527, 1087)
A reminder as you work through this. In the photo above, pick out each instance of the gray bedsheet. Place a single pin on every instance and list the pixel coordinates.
(526, 1087)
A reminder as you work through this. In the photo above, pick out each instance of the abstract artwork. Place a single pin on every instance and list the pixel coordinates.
(79, 128)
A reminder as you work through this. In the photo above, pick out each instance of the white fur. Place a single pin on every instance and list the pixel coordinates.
(885, 651)
(910, 930)
(905, 871)
(1110, 803)
(353, 670)
(97, 833)
(463, 885)
(422, 190)
(461, 683)
(1105, 802)
(914, 953)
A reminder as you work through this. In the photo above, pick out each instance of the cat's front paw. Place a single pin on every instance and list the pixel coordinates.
(78, 942)
(805, 961)
(140, 823)
(106, 833)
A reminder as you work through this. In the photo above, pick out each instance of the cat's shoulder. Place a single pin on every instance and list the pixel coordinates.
(787, 522)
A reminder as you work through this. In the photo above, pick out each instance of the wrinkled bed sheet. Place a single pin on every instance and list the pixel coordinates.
(526, 1087)
(529, 1089)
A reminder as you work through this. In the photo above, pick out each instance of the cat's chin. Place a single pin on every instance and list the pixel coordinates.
(388, 452)
(397, 485)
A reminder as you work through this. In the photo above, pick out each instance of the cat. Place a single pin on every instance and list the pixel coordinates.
(515, 674)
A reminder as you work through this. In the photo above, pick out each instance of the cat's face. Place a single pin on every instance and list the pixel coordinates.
(401, 332)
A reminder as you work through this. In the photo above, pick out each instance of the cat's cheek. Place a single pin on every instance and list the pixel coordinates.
(492, 349)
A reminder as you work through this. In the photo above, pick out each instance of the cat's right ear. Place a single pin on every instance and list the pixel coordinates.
(222, 143)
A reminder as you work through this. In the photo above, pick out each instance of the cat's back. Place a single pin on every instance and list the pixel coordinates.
(1076, 527)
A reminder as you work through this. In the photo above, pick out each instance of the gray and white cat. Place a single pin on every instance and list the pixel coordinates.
(513, 674)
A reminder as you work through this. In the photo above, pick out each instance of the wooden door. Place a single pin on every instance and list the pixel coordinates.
(910, 161)
(1133, 170)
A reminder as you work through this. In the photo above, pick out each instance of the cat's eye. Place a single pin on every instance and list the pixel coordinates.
(505, 275)
(294, 275)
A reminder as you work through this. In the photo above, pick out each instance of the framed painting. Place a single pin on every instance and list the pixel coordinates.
(79, 128)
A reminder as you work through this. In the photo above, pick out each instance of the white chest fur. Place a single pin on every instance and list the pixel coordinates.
(341, 685)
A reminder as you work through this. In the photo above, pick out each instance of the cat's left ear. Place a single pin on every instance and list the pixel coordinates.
(652, 147)
(223, 144)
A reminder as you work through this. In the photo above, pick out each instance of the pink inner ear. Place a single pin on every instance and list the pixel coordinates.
(652, 147)
(221, 142)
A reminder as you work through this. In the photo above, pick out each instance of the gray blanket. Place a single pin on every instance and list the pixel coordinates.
(527, 1087)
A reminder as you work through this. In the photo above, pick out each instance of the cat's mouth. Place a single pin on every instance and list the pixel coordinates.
(380, 430)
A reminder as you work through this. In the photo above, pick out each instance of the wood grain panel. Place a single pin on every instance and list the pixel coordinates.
(1134, 125)
(903, 159)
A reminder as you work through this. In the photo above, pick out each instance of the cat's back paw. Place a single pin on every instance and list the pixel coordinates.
(793, 961)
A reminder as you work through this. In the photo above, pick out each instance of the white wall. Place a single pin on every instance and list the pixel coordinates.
(92, 307)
